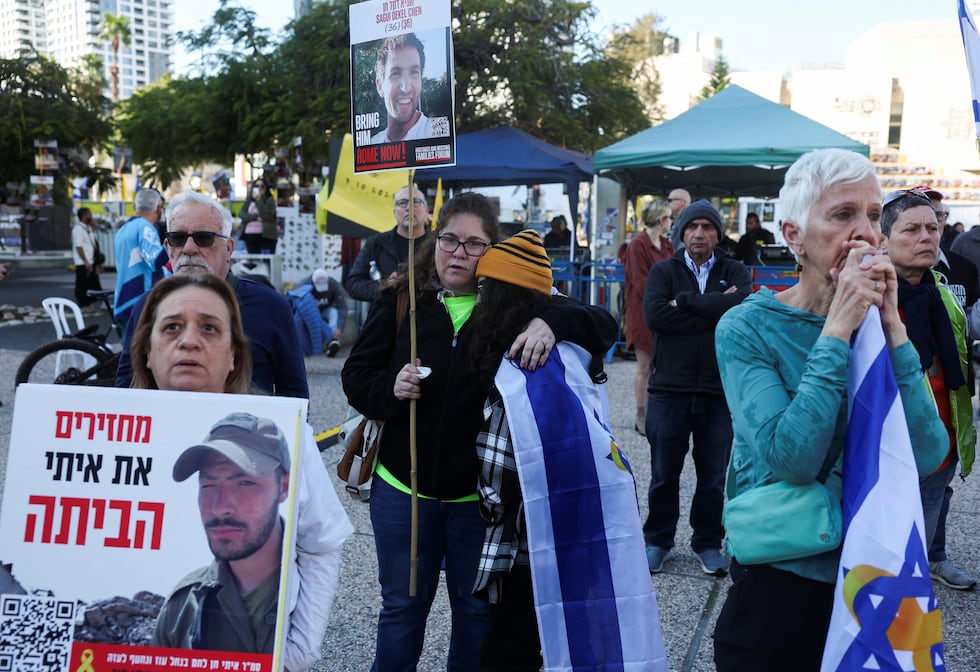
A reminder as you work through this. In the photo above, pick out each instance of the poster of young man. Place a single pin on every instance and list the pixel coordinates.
(148, 530)
(41, 190)
(402, 86)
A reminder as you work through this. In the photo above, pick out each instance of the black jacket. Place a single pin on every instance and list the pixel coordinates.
(387, 251)
(961, 277)
(450, 412)
(683, 358)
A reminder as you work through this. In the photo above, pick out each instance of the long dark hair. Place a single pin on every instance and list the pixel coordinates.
(500, 314)
(426, 279)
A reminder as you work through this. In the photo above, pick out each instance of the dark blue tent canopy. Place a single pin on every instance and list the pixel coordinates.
(505, 156)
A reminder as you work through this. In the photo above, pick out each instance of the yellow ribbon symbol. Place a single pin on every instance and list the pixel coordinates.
(87, 658)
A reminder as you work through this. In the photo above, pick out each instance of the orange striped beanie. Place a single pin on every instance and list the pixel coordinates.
(520, 260)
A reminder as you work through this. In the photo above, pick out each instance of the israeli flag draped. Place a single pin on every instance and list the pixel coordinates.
(593, 595)
(885, 614)
(971, 45)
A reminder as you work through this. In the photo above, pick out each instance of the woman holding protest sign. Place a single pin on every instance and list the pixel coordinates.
(190, 338)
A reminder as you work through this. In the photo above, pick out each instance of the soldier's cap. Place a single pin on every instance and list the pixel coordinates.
(254, 444)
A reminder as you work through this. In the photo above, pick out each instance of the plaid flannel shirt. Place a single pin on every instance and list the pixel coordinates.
(501, 503)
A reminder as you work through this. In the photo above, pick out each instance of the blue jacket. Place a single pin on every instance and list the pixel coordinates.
(140, 261)
(277, 359)
(311, 329)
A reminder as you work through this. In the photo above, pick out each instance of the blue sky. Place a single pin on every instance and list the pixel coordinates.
(757, 35)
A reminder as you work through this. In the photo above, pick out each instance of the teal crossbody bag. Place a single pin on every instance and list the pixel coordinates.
(783, 521)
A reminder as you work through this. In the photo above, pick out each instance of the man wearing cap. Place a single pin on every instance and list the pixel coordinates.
(685, 297)
(243, 468)
(381, 254)
(320, 313)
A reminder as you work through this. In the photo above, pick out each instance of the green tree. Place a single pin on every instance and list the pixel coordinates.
(115, 29)
(528, 63)
(719, 79)
(183, 121)
(41, 100)
(534, 64)
(639, 45)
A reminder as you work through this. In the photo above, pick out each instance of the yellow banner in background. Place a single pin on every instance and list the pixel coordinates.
(366, 199)
(438, 204)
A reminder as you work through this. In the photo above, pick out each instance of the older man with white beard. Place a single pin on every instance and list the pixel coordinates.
(199, 241)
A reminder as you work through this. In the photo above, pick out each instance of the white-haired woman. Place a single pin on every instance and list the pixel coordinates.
(783, 359)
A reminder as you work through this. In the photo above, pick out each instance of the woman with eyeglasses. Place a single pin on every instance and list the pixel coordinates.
(379, 381)
(648, 248)
(260, 227)
(937, 327)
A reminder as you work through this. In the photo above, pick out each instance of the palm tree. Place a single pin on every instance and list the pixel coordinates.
(116, 30)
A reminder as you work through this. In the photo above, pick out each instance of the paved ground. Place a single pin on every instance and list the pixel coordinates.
(688, 600)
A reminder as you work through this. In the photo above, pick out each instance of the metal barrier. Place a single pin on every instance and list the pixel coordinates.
(597, 284)
(776, 278)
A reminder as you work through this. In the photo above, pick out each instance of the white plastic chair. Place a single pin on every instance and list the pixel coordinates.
(58, 309)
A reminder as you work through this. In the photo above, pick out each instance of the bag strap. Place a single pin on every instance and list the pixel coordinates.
(401, 309)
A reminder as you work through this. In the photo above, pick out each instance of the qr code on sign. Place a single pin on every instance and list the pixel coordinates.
(440, 127)
(35, 633)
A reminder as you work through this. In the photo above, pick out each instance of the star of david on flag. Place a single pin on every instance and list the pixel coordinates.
(593, 595)
(885, 613)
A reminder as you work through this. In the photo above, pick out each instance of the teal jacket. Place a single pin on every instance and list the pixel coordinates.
(786, 388)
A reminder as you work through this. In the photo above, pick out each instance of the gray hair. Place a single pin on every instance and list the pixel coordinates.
(898, 202)
(816, 172)
(218, 214)
(147, 200)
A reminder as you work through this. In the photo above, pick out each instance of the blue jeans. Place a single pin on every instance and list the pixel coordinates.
(671, 421)
(454, 531)
(935, 493)
(331, 317)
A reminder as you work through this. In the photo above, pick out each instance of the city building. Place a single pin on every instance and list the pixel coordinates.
(902, 88)
(66, 30)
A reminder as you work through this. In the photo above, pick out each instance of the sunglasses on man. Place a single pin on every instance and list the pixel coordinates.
(201, 238)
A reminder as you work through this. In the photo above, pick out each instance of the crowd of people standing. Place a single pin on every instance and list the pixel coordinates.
(752, 383)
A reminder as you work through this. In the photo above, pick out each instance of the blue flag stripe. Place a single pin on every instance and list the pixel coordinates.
(874, 398)
(885, 615)
(581, 554)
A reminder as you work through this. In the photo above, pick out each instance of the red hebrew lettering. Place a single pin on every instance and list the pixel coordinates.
(156, 508)
(47, 522)
(68, 504)
(122, 540)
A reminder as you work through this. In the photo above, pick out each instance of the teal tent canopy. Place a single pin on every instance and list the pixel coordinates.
(733, 144)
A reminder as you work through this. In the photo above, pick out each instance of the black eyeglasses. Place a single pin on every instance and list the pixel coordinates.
(895, 195)
(201, 238)
(473, 248)
(403, 202)
(942, 215)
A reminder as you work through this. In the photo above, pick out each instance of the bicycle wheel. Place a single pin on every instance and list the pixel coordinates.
(70, 361)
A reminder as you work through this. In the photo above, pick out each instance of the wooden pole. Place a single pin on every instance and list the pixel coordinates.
(412, 449)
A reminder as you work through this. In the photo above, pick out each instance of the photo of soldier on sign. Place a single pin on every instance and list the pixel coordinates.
(402, 84)
(148, 528)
